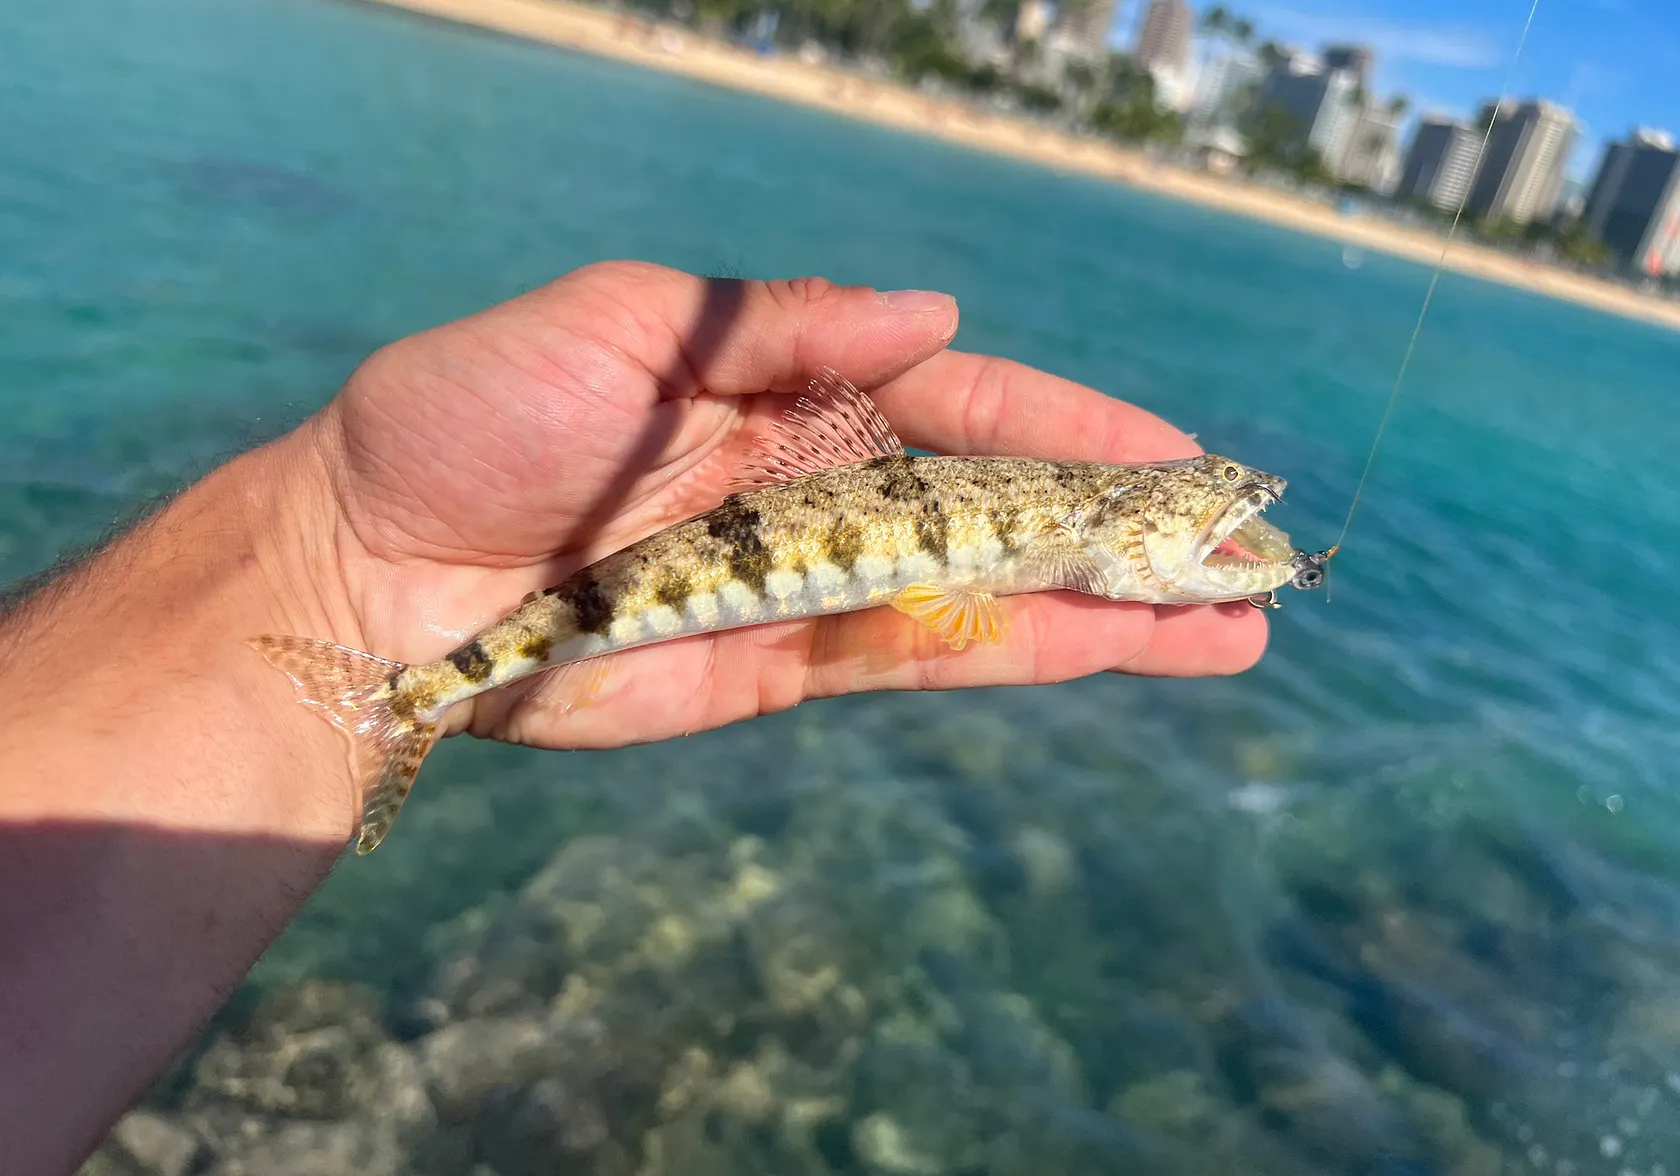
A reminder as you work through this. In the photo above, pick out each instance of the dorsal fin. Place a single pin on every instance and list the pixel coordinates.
(832, 425)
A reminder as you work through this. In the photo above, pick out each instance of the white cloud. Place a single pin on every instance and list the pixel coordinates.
(1457, 46)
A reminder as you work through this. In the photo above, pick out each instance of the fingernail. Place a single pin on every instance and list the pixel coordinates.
(917, 301)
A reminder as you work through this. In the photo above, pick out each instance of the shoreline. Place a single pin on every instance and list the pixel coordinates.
(670, 49)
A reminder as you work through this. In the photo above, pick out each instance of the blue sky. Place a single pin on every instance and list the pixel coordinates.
(1615, 62)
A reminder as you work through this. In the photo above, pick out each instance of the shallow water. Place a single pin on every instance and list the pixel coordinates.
(1401, 900)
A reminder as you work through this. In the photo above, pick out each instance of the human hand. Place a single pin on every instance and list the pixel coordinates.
(490, 457)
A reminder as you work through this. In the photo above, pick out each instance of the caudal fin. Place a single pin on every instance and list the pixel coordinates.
(353, 691)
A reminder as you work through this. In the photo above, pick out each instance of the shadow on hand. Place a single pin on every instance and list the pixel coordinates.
(721, 308)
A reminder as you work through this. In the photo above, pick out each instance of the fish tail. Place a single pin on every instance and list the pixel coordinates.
(356, 693)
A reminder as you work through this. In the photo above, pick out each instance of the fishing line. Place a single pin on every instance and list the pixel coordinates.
(1434, 279)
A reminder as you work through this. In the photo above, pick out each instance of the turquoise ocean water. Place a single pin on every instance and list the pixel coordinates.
(1403, 900)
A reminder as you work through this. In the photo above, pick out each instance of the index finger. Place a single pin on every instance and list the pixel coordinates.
(959, 403)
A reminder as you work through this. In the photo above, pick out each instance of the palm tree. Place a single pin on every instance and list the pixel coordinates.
(1216, 20)
(1242, 30)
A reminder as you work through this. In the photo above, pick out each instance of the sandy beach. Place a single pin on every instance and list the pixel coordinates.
(680, 51)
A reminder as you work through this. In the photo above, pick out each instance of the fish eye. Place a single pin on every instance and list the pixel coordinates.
(1232, 473)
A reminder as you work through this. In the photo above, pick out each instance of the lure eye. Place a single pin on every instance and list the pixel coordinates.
(1309, 578)
(1232, 473)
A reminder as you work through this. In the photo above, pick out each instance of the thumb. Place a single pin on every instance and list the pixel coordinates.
(732, 336)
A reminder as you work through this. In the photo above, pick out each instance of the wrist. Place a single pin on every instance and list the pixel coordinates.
(155, 625)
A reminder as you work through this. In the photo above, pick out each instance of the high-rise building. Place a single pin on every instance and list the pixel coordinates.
(1572, 199)
(1084, 28)
(1175, 88)
(1317, 101)
(1226, 83)
(1441, 163)
(1164, 39)
(1369, 150)
(1522, 169)
(1338, 115)
(1634, 204)
(1354, 59)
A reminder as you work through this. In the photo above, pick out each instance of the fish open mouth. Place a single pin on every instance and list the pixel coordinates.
(1241, 538)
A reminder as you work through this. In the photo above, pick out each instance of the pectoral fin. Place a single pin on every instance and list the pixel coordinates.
(1056, 558)
(577, 684)
(956, 614)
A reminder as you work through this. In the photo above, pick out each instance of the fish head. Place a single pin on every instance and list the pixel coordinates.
(1190, 530)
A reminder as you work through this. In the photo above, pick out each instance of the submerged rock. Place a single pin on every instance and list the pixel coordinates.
(1443, 1120)
(1176, 1103)
(319, 1149)
(154, 1145)
(316, 1051)
(768, 1113)
(920, 1102)
(884, 1146)
(549, 1126)
(1279, 1067)
(467, 1062)
(1047, 861)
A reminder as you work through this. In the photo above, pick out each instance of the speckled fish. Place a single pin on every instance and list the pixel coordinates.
(831, 516)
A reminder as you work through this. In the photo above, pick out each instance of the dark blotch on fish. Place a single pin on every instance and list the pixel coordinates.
(843, 545)
(536, 647)
(402, 701)
(933, 531)
(899, 481)
(472, 661)
(673, 590)
(737, 528)
(590, 606)
(1004, 519)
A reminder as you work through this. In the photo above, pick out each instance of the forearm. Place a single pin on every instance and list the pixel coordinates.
(164, 808)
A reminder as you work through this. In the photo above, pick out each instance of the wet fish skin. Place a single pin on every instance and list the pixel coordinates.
(839, 518)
